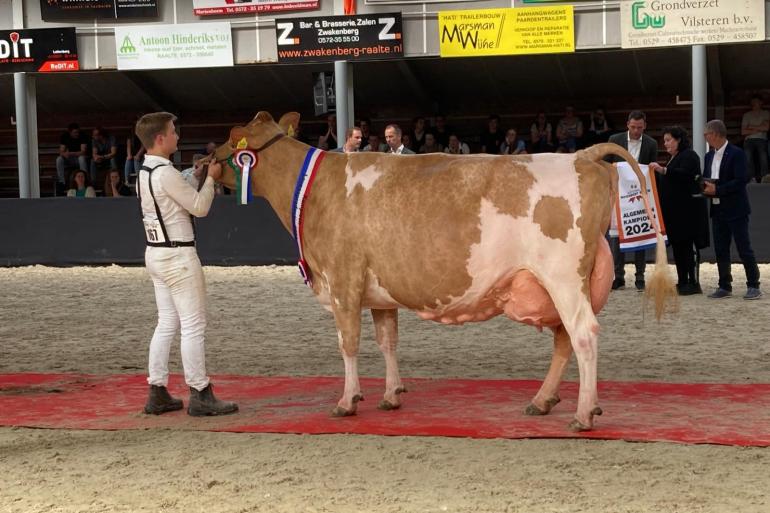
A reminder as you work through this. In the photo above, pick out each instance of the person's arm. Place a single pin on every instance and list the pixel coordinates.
(739, 179)
(90, 192)
(83, 150)
(63, 151)
(745, 128)
(579, 129)
(71, 193)
(685, 168)
(113, 149)
(129, 149)
(195, 202)
(94, 152)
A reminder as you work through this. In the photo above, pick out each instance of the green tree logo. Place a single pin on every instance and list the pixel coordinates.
(127, 46)
(644, 20)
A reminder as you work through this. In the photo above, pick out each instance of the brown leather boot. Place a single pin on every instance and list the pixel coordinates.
(160, 401)
(204, 403)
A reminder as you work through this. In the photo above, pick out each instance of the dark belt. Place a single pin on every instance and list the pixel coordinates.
(172, 244)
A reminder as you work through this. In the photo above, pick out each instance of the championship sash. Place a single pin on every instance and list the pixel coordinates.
(630, 222)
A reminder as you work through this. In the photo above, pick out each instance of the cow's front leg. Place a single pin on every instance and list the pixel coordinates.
(386, 329)
(347, 316)
(548, 395)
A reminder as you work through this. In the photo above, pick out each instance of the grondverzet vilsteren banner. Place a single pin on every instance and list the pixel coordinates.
(329, 38)
(57, 10)
(654, 23)
(521, 30)
(219, 7)
(43, 50)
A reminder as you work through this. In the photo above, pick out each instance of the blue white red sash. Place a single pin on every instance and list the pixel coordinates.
(301, 192)
(245, 160)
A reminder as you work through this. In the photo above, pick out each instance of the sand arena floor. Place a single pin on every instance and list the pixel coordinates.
(263, 321)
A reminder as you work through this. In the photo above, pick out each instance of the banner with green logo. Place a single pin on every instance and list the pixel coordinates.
(654, 23)
(187, 45)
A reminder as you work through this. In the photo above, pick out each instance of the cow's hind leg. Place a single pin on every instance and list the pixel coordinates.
(386, 329)
(347, 316)
(548, 395)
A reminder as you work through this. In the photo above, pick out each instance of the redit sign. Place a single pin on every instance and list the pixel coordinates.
(43, 50)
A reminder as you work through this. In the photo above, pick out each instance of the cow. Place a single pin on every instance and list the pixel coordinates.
(455, 238)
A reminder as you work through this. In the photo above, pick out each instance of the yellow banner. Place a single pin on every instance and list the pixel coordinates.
(523, 30)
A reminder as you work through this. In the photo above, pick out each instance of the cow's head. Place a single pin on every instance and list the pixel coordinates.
(261, 133)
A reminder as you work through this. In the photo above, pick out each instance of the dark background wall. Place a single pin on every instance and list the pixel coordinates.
(64, 231)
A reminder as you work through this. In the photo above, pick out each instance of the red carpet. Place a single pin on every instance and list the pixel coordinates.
(689, 413)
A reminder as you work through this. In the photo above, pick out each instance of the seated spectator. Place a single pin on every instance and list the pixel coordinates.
(441, 130)
(211, 147)
(599, 130)
(541, 134)
(104, 151)
(569, 132)
(456, 147)
(416, 138)
(366, 128)
(328, 140)
(352, 141)
(72, 153)
(114, 186)
(431, 145)
(492, 137)
(194, 174)
(393, 137)
(79, 186)
(406, 140)
(134, 157)
(375, 144)
(512, 145)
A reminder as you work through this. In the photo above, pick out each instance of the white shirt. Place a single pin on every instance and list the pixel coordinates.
(176, 198)
(717, 162)
(399, 150)
(634, 146)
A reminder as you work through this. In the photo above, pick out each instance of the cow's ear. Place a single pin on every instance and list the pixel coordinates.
(262, 117)
(289, 123)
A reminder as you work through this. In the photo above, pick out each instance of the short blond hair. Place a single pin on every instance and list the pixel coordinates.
(151, 125)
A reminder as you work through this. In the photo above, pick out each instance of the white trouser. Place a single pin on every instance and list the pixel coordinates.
(180, 293)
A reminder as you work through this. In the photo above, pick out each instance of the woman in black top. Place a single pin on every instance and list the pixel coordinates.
(685, 213)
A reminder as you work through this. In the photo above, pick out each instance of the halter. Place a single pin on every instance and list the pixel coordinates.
(242, 161)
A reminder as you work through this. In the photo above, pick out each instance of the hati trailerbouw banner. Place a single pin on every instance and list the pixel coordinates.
(58, 10)
(45, 50)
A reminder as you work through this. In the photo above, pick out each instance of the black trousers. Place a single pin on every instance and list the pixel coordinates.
(738, 230)
(620, 261)
(686, 259)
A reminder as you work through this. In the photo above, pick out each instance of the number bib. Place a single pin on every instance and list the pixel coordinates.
(153, 231)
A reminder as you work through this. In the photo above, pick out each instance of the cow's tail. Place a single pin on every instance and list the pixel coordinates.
(660, 288)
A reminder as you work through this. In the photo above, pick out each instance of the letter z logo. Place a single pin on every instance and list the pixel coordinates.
(284, 31)
(385, 34)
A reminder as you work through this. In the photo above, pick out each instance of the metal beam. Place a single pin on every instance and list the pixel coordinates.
(26, 135)
(715, 80)
(699, 99)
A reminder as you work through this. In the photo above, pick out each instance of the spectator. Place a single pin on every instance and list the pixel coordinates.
(352, 141)
(417, 136)
(79, 186)
(393, 139)
(441, 130)
(569, 132)
(684, 208)
(375, 144)
(406, 140)
(599, 130)
(541, 134)
(134, 157)
(103, 152)
(754, 127)
(211, 147)
(114, 186)
(511, 145)
(72, 153)
(492, 137)
(725, 173)
(645, 150)
(366, 128)
(456, 147)
(431, 145)
(328, 141)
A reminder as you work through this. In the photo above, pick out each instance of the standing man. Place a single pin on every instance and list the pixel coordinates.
(393, 139)
(724, 171)
(72, 153)
(645, 150)
(352, 141)
(754, 127)
(168, 205)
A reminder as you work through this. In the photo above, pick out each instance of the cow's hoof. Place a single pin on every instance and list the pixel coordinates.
(401, 390)
(577, 426)
(531, 409)
(339, 411)
(386, 405)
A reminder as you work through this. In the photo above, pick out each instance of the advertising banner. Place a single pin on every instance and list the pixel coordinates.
(654, 23)
(58, 10)
(328, 38)
(523, 30)
(629, 218)
(44, 50)
(219, 7)
(186, 45)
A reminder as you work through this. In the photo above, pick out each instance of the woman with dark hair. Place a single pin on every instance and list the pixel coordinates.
(685, 213)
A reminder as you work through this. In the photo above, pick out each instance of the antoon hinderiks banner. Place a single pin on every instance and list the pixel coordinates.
(330, 38)
(44, 50)
(57, 10)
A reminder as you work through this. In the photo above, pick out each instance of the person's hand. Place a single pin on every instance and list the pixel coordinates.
(215, 170)
(654, 166)
(709, 189)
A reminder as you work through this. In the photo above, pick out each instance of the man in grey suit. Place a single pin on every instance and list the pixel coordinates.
(393, 138)
(645, 150)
